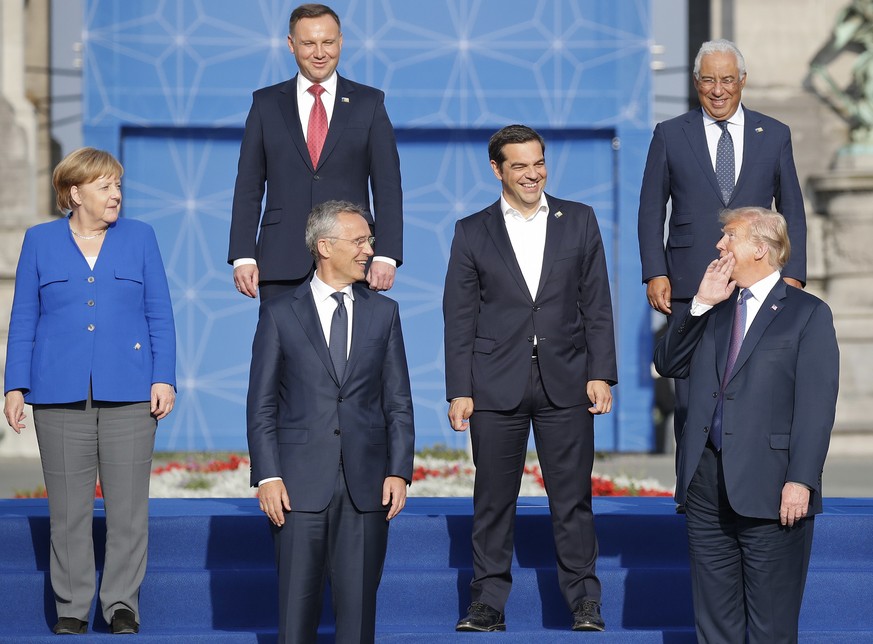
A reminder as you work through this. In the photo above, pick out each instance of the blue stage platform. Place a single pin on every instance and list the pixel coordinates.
(211, 577)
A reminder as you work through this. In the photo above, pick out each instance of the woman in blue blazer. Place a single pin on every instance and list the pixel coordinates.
(92, 347)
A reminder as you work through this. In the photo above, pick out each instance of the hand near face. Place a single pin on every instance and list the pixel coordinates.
(716, 285)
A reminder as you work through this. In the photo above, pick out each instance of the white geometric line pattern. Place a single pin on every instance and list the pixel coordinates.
(170, 82)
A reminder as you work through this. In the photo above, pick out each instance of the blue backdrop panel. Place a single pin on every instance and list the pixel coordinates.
(167, 88)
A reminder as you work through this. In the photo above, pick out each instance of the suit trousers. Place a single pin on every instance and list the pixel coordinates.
(746, 573)
(565, 446)
(342, 544)
(76, 441)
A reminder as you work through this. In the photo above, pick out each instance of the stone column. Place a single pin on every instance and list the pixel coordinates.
(17, 185)
(844, 196)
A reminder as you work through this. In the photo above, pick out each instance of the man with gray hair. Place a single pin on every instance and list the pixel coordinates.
(719, 156)
(330, 430)
(762, 364)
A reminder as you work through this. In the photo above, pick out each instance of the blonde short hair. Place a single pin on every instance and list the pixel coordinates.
(764, 226)
(80, 167)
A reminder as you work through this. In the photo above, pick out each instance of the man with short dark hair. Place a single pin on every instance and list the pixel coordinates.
(330, 430)
(314, 138)
(529, 339)
(762, 364)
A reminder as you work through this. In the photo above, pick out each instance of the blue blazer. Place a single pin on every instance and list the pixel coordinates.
(679, 167)
(301, 419)
(779, 404)
(491, 318)
(111, 327)
(360, 151)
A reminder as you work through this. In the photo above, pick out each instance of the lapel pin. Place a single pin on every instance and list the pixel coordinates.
(137, 346)
(344, 99)
(775, 307)
(559, 214)
(759, 130)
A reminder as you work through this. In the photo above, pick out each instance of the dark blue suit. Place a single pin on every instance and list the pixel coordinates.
(779, 407)
(325, 437)
(679, 167)
(360, 151)
(490, 323)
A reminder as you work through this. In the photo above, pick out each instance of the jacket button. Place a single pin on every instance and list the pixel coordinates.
(530, 338)
(706, 430)
(90, 302)
(340, 399)
(336, 432)
(715, 394)
(536, 308)
(316, 178)
(91, 327)
(90, 279)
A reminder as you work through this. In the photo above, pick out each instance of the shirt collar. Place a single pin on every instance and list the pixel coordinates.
(762, 287)
(739, 117)
(329, 85)
(508, 211)
(322, 291)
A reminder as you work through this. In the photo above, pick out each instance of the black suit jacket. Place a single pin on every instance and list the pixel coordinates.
(360, 151)
(301, 418)
(491, 318)
(679, 167)
(779, 403)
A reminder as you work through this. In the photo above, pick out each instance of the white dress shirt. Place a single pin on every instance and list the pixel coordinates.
(736, 128)
(528, 238)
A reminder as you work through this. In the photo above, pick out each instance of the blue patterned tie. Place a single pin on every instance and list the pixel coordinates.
(339, 336)
(737, 332)
(724, 162)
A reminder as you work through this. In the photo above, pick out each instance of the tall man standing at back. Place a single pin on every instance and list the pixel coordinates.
(706, 160)
(313, 138)
(529, 339)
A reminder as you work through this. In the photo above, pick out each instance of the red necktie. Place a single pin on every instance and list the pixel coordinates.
(317, 130)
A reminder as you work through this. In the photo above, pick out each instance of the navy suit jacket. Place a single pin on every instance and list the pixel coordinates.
(110, 329)
(301, 419)
(491, 318)
(360, 150)
(679, 167)
(779, 403)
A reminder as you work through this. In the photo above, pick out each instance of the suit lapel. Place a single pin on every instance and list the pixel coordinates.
(304, 308)
(554, 237)
(753, 139)
(694, 131)
(770, 308)
(724, 320)
(288, 108)
(342, 110)
(361, 319)
(497, 230)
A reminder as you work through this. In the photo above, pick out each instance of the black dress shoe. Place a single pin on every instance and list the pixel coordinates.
(124, 622)
(70, 626)
(586, 616)
(481, 618)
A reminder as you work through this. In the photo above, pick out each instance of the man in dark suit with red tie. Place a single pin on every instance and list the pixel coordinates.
(722, 155)
(330, 430)
(313, 138)
(762, 363)
(529, 338)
